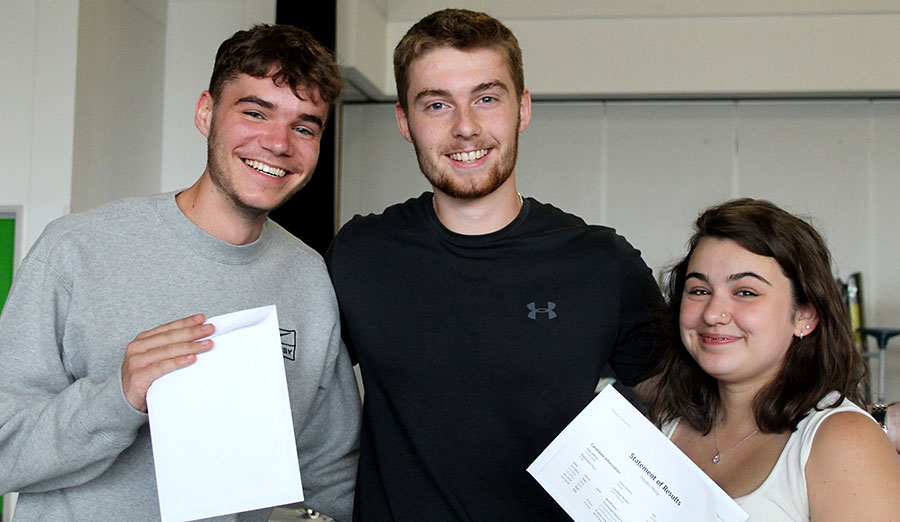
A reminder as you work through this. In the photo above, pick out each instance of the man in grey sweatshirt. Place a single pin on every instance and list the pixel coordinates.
(80, 335)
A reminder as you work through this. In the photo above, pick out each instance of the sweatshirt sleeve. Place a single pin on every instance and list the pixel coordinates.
(56, 430)
(329, 443)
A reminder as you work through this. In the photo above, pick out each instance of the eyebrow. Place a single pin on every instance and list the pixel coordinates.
(731, 278)
(496, 84)
(312, 118)
(440, 93)
(265, 104)
(255, 100)
(481, 87)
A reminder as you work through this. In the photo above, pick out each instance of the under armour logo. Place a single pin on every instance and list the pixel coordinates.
(548, 310)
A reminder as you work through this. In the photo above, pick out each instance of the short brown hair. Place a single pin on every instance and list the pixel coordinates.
(288, 54)
(460, 29)
(825, 360)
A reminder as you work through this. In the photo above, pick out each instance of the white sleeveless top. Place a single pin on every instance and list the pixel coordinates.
(782, 497)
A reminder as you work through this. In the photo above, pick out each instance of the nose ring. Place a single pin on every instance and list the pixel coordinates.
(723, 315)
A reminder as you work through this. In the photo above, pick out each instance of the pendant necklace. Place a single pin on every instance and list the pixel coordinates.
(719, 452)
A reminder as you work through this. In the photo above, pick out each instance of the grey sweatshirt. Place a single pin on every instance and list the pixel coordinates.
(70, 443)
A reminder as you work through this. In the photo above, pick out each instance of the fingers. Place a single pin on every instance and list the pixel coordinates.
(148, 340)
(180, 323)
(159, 351)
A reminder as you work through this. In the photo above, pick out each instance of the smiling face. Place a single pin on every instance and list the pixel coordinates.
(738, 316)
(263, 142)
(464, 120)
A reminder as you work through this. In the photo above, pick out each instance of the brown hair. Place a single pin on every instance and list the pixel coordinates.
(460, 29)
(823, 361)
(288, 54)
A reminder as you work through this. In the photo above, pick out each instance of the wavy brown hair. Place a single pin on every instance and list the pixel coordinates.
(287, 54)
(460, 29)
(825, 360)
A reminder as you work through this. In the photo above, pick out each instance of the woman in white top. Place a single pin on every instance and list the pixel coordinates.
(762, 388)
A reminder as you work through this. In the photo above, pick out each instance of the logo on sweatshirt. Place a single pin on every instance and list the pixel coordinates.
(289, 344)
(546, 310)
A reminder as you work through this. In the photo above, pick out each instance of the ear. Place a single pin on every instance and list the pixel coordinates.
(524, 110)
(203, 113)
(402, 122)
(805, 320)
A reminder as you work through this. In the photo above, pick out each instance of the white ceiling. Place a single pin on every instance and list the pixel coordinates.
(411, 10)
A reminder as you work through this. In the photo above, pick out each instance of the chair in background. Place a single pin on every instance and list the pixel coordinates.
(882, 336)
(853, 299)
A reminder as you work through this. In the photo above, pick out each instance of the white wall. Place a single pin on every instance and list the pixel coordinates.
(118, 102)
(38, 39)
(648, 168)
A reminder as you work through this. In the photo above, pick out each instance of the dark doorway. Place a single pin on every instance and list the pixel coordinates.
(310, 214)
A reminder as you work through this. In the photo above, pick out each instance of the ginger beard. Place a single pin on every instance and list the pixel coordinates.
(442, 177)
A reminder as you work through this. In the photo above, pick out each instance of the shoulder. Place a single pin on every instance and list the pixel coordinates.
(284, 240)
(90, 226)
(841, 431)
(830, 424)
(372, 230)
(608, 253)
(411, 209)
(549, 214)
(547, 218)
(290, 255)
(852, 466)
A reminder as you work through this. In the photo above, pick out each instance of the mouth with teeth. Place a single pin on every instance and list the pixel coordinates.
(717, 338)
(469, 156)
(268, 170)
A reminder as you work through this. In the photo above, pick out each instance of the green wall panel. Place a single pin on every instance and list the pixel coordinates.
(7, 250)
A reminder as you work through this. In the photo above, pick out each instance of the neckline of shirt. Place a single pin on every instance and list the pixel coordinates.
(477, 239)
(203, 243)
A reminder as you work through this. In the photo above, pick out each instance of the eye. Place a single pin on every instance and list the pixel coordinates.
(304, 131)
(697, 291)
(436, 106)
(487, 99)
(746, 293)
(254, 114)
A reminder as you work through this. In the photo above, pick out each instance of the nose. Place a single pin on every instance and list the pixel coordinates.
(465, 124)
(277, 139)
(716, 312)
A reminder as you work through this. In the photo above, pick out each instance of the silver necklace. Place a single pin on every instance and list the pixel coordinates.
(521, 202)
(719, 452)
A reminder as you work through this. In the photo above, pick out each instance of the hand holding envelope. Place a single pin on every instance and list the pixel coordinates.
(159, 351)
(221, 428)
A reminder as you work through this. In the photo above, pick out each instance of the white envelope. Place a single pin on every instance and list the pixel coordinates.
(221, 429)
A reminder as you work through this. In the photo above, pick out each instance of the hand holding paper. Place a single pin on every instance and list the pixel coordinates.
(223, 438)
(611, 464)
(159, 351)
